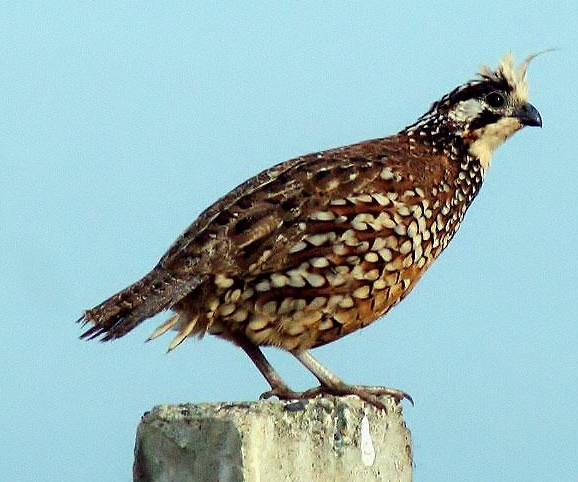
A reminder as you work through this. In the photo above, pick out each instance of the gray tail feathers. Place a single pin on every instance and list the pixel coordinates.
(119, 314)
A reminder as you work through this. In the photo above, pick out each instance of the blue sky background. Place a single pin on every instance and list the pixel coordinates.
(121, 121)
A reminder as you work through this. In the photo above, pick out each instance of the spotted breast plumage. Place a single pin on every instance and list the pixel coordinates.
(322, 245)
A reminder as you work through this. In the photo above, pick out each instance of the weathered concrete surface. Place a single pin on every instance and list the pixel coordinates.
(327, 439)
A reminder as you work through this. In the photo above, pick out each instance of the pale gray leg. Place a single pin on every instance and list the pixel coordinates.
(332, 384)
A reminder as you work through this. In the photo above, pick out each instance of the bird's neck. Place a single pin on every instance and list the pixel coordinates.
(442, 138)
(464, 173)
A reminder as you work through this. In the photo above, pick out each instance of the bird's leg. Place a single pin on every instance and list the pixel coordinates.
(331, 384)
(279, 388)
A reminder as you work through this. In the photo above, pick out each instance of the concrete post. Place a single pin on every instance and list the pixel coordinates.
(327, 439)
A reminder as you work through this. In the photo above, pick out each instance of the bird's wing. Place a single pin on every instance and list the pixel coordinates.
(251, 230)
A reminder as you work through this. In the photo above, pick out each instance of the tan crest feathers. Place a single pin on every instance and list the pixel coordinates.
(514, 75)
(524, 65)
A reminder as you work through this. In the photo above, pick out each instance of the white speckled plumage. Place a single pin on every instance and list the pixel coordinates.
(323, 245)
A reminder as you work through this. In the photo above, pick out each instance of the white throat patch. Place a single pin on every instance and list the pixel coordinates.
(489, 137)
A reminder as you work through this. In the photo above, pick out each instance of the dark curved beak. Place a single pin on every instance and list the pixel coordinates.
(528, 115)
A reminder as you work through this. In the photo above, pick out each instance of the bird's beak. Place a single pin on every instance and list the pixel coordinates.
(528, 115)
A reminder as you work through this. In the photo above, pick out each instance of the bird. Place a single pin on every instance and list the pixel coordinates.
(323, 245)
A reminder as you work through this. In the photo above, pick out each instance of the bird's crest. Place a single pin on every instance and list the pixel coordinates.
(513, 75)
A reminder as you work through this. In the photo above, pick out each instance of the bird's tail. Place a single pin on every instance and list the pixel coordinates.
(119, 314)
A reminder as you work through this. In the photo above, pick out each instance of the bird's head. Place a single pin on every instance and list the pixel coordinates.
(482, 113)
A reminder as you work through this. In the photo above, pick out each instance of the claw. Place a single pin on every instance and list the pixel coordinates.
(367, 394)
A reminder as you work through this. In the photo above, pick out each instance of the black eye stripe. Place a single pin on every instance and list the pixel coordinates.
(484, 119)
(476, 90)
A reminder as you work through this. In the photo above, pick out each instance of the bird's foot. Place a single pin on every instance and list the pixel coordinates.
(283, 392)
(369, 394)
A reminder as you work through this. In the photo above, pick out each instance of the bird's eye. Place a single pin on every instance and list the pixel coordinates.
(495, 99)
